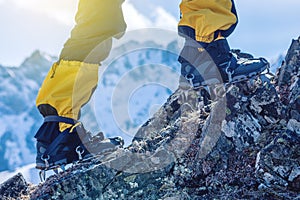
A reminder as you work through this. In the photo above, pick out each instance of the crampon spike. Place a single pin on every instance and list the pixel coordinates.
(42, 175)
(80, 152)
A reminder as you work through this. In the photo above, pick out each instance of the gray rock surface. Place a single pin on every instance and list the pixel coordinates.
(14, 188)
(278, 163)
(245, 146)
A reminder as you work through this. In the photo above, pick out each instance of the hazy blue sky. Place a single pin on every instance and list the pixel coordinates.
(266, 26)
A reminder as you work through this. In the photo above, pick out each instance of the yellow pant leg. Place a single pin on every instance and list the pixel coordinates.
(96, 21)
(205, 19)
(72, 80)
(68, 86)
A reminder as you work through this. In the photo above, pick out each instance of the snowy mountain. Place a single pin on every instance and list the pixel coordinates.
(244, 146)
(19, 118)
(29, 172)
(134, 81)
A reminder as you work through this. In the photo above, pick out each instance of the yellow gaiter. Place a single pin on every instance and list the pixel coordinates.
(71, 81)
(206, 17)
(68, 86)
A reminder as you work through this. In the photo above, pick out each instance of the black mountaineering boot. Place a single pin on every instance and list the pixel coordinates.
(72, 144)
(55, 148)
(213, 63)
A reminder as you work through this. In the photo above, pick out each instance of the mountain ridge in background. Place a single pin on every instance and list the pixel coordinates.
(245, 146)
(19, 118)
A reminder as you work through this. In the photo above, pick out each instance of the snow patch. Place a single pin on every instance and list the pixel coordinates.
(28, 171)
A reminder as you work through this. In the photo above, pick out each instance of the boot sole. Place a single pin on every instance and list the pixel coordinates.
(236, 79)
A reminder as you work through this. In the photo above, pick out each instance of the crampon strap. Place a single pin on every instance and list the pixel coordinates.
(67, 136)
(55, 118)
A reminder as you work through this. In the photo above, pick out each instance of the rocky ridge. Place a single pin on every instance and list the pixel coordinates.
(245, 147)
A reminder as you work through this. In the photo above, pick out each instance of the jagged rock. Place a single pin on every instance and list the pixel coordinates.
(181, 148)
(245, 146)
(14, 188)
(74, 184)
(278, 164)
(288, 82)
